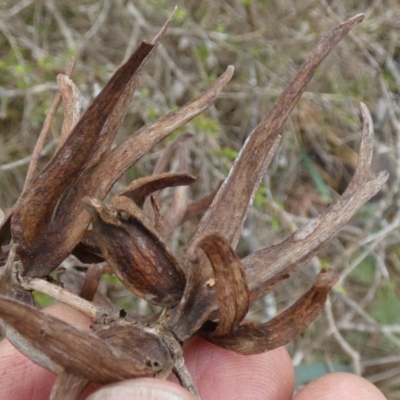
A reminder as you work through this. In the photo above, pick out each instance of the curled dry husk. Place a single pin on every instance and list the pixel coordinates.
(208, 289)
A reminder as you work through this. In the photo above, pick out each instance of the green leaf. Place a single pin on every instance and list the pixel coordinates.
(43, 300)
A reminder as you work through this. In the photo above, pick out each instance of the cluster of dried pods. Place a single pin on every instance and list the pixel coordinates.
(207, 290)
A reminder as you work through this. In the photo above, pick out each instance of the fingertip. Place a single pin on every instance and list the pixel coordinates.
(142, 389)
(223, 374)
(340, 385)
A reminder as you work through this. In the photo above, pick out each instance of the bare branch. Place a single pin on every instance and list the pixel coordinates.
(355, 355)
(61, 294)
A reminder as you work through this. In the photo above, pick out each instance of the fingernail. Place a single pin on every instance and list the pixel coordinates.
(136, 390)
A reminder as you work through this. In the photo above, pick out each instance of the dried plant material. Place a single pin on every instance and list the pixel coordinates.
(61, 294)
(255, 338)
(5, 229)
(45, 131)
(5, 223)
(231, 287)
(35, 226)
(166, 155)
(74, 281)
(66, 348)
(60, 224)
(229, 209)
(127, 153)
(141, 188)
(177, 208)
(87, 250)
(6, 273)
(267, 267)
(135, 251)
(152, 350)
(68, 387)
(157, 213)
(207, 289)
(71, 98)
(91, 283)
(199, 206)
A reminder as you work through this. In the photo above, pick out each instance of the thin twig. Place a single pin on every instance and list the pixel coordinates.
(45, 131)
(15, 164)
(355, 355)
(64, 28)
(356, 308)
(62, 295)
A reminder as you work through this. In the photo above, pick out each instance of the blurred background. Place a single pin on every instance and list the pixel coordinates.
(266, 41)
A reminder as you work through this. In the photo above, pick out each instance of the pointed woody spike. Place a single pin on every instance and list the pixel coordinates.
(366, 152)
(116, 118)
(71, 99)
(269, 266)
(161, 33)
(229, 209)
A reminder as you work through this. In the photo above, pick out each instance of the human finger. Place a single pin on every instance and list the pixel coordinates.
(222, 374)
(340, 385)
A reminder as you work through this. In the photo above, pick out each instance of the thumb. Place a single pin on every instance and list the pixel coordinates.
(142, 389)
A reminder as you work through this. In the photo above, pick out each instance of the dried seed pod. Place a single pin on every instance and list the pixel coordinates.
(135, 251)
(151, 350)
(58, 346)
(209, 282)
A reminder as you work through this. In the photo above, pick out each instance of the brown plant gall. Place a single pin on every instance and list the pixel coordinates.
(205, 291)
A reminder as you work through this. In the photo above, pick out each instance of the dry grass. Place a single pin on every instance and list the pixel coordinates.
(266, 41)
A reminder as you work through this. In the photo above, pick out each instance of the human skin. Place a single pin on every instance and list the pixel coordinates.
(219, 374)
